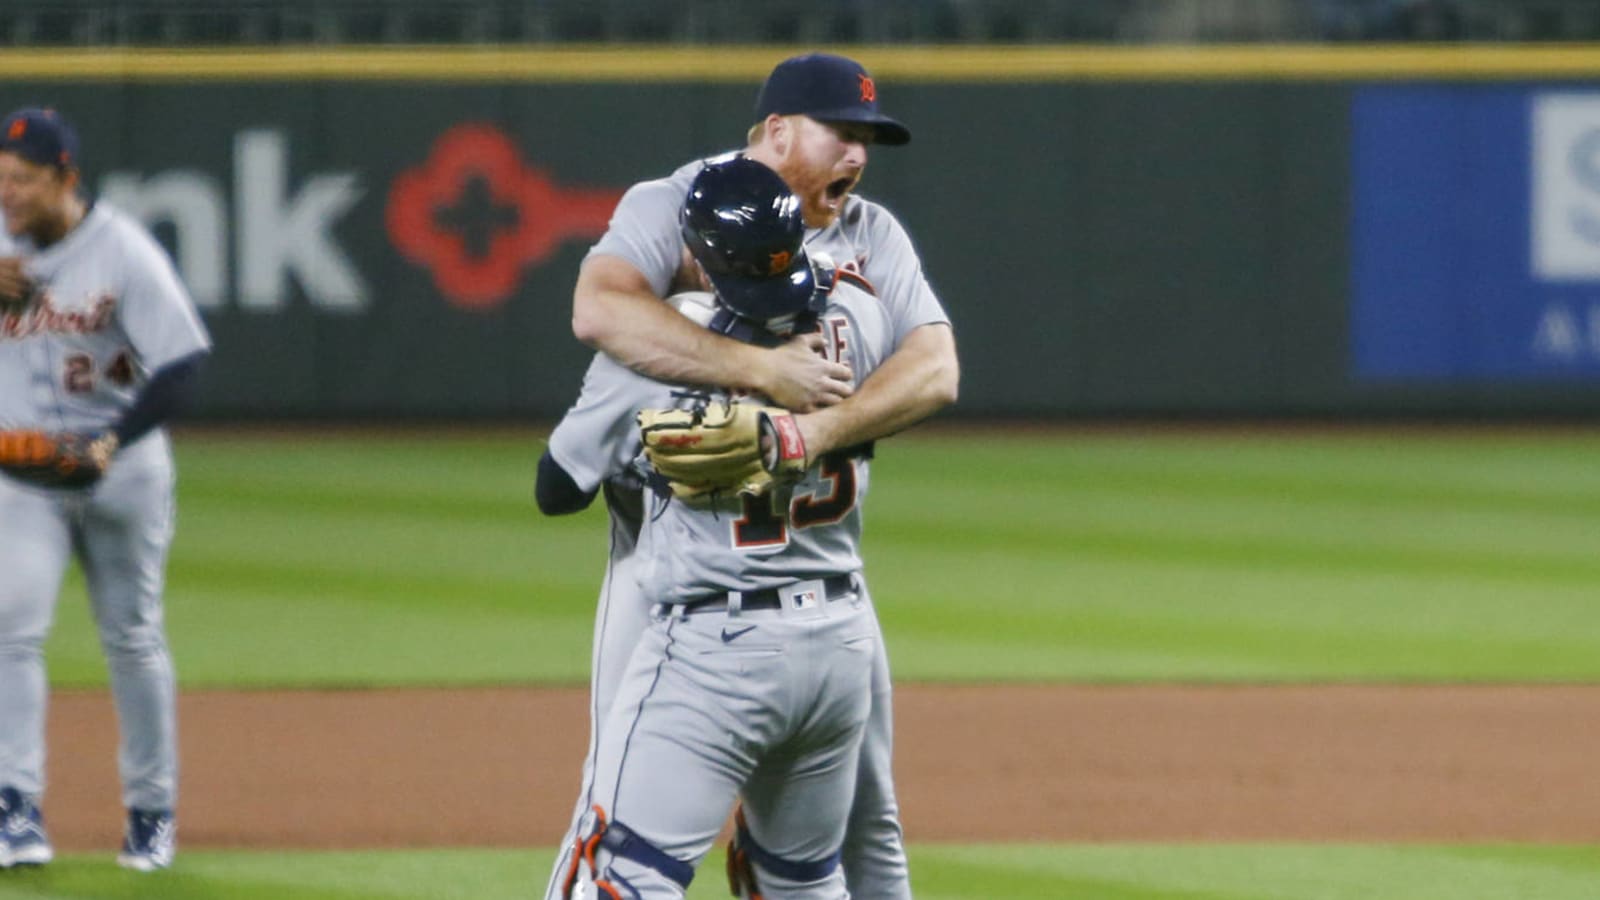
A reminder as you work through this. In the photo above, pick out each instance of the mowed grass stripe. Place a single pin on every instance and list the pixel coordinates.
(1280, 872)
(1110, 647)
(1546, 474)
(1521, 514)
(1365, 554)
(374, 502)
(361, 560)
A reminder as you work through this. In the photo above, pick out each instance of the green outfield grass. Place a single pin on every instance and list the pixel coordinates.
(1106, 872)
(391, 559)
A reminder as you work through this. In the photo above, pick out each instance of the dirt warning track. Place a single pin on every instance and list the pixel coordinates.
(499, 767)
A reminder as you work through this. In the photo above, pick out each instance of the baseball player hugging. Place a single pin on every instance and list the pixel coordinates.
(815, 118)
(752, 678)
(99, 345)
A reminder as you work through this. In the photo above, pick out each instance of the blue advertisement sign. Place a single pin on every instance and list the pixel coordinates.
(1475, 244)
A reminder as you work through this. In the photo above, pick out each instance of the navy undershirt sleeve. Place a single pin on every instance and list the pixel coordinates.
(167, 391)
(556, 492)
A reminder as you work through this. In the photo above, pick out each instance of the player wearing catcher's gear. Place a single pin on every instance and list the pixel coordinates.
(99, 344)
(815, 116)
(595, 448)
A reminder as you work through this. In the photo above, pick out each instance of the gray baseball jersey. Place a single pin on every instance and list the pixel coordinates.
(112, 310)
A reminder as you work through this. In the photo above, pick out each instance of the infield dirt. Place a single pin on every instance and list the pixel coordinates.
(499, 767)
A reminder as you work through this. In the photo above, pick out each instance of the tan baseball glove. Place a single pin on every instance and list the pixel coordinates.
(55, 459)
(723, 447)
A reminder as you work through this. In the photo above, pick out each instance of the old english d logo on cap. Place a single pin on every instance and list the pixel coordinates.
(40, 136)
(828, 88)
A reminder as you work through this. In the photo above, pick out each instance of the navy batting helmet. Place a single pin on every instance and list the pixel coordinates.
(743, 226)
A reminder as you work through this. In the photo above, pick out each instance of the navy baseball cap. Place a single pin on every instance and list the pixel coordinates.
(40, 136)
(828, 88)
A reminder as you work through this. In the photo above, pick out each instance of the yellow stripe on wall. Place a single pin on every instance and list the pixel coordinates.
(747, 63)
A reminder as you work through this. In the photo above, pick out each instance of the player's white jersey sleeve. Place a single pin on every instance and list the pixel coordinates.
(644, 227)
(157, 313)
(643, 231)
(598, 438)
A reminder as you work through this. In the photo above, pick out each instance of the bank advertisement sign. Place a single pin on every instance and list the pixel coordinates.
(1475, 239)
(370, 250)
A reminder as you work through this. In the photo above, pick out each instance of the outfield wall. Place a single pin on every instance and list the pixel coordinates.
(1143, 231)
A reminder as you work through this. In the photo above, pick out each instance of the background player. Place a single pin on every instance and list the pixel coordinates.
(816, 114)
(795, 823)
(100, 338)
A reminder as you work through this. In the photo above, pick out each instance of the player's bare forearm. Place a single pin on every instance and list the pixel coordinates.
(651, 338)
(614, 311)
(920, 378)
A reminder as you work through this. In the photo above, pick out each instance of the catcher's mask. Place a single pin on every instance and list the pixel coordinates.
(743, 225)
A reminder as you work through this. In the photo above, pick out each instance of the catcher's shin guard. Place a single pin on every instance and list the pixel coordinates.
(588, 878)
(745, 857)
